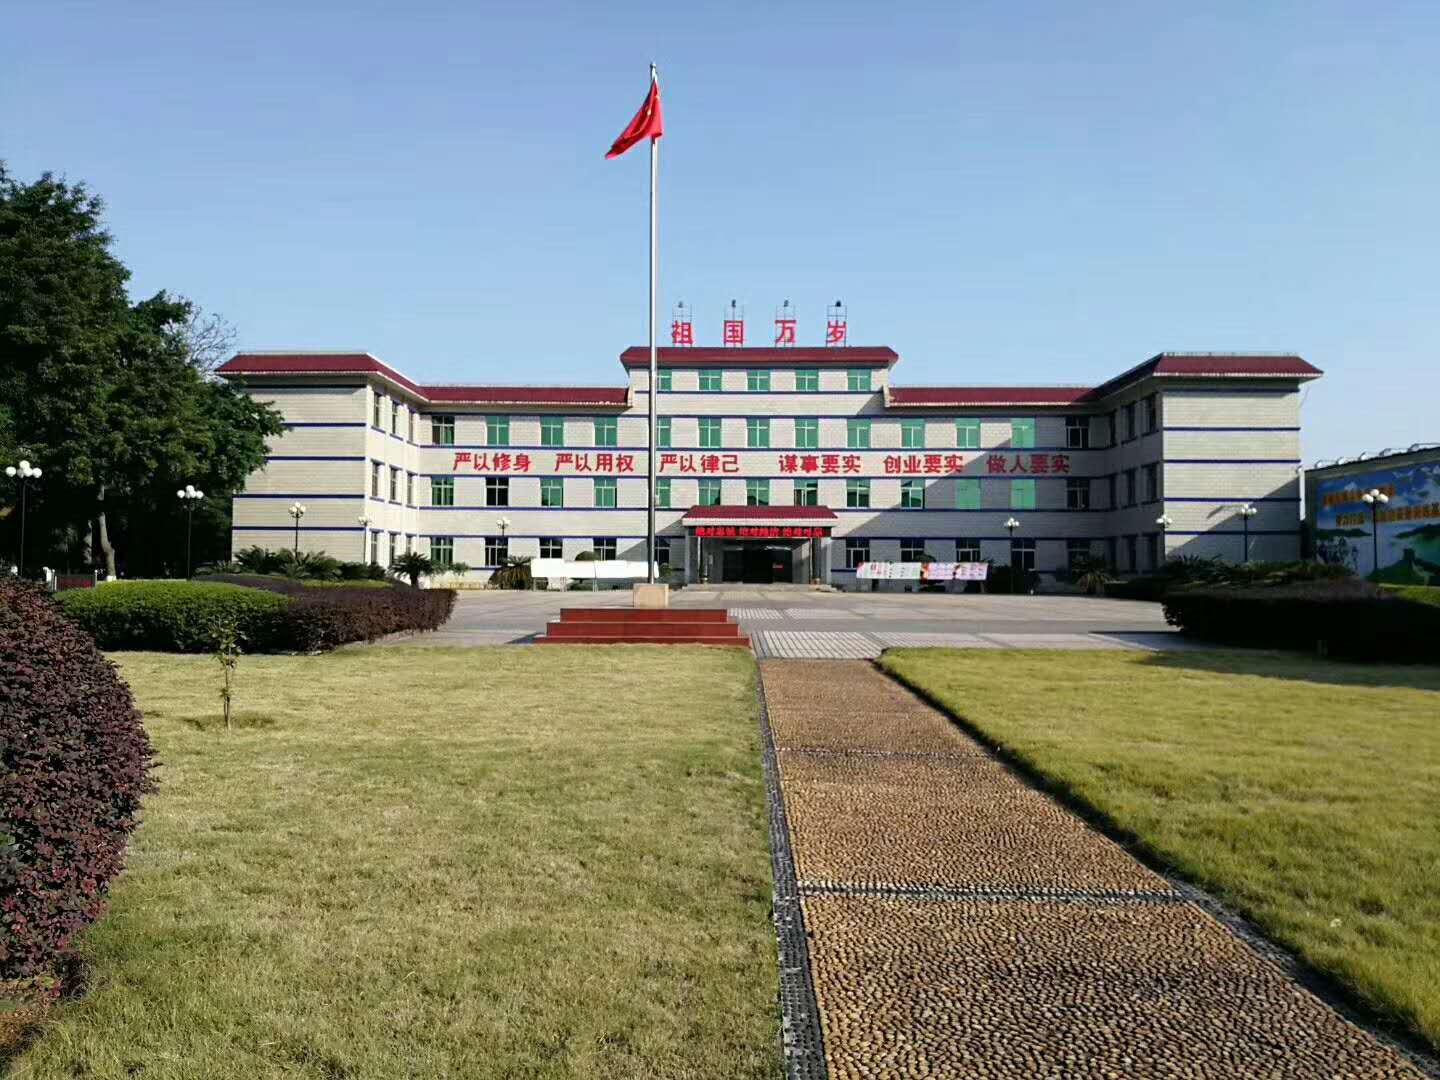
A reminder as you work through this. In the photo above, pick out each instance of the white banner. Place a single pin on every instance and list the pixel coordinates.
(602, 569)
(914, 571)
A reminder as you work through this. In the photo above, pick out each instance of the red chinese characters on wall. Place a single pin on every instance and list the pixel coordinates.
(821, 463)
(1028, 464)
(784, 331)
(682, 332)
(700, 463)
(500, 463)
(604, 462)
(763, 532)
(932, 464)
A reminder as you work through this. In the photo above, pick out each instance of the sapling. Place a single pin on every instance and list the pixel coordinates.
(227, 638)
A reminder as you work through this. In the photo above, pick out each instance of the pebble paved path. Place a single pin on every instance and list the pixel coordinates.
(960, 924)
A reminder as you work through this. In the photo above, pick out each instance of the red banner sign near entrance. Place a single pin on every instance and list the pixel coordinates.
(763, 532)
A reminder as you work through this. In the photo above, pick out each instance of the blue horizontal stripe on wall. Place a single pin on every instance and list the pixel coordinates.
(303, 528)
(1230, 461)
(1234, 390)
(316, 457)
(328, 388)
(324, 423)
(1235, 499)
(1231, 532)
(640, 476)
(297, 495)
(1170, 427)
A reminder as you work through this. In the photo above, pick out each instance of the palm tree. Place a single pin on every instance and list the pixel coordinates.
(413, 565)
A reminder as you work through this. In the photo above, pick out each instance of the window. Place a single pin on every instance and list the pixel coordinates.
(497, 491)
(1152, 413)
(1131, 555)
(394, 417)
(1022, 494)
(552, 431)
(1111, 481)
(442, 549)
(394, 546)
(1077, 493)
(807, 492)
(1077, 432)
(662, 550)
(375, 471)
(912, 434)
(409, 489)
(552, 491)
(607, 431)
(1129, 421)
(442, 491)
(709, 432)
(664, 381)
(1022, 432)
(1075, 550)
(912, 494)
(1152, 551)
(1110, 421)
(807, 433)
(375, 413)
(967, 434)
(757, 433)
(497, 431)
(394, 484)
(709, 493)
(912, 550)
(857, 434)
(662, 492)
(807, 380)
(552, 547)
(411, 417)
(856, 552)
(374, 545)
(967, 549)
(1152, 483)
(709, 381)
(967, 493)
(857, 493)
(1022, 555)
(442, 430)
(604, 491)
(496, 550)
(662, 432)
(605, 547)
(1129, 487)
(757, 492)
(1112, 557)
(757, 382)
(858, 380)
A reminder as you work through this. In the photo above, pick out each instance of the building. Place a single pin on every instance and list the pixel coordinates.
(1400, 534)
(781, 464)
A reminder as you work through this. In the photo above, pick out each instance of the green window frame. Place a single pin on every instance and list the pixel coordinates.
(757, 382)
(709, 493)
(662, 492)
(807, 493)
(442, 491)
(912, 494)
(858, 379)
(552, 491)
(1022, 494)
(912, 434)
(709, 433)
(607, 431)
(757, 433)
(857, 434)
(664, 380)
(807, 433)
(967, 433)
(857, 493)
(757, 492)
(807, 380)
(442, 550)
(967, 493)
(552, 431)
(1022, 432)
(497, 431)
(710, 380)
(442, 430)
(605, 492)
(662, 432)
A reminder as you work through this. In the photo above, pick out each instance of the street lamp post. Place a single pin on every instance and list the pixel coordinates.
(24, 473)
(1246, 513)
(189, 497)
(1012, 525)
(365, 523)
(1164, 521)
(1375, 498)
(297, 511)
(503, 524)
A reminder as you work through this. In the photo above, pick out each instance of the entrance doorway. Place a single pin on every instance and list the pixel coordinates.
(758, 564)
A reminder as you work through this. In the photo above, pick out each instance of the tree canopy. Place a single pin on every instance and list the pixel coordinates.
(113, 398)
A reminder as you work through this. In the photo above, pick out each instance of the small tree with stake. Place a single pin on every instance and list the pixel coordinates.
(227, 637)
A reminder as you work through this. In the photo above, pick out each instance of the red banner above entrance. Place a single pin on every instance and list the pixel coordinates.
(763, 532)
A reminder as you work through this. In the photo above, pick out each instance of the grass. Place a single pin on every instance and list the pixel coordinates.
(439, 862)
(1302, 793)
(1423, 594)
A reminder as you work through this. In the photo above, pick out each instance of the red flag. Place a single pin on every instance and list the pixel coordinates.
(646, 122)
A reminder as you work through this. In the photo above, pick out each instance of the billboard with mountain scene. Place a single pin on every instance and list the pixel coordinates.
(1408, 544)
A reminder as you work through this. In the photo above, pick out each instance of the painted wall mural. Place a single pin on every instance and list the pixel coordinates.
(1407, 547)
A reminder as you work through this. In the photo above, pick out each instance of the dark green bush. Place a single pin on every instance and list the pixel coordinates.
(175, 616)
(324, 618)
(1346, 618)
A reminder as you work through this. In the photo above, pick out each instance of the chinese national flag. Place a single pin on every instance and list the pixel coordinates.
(646, 123)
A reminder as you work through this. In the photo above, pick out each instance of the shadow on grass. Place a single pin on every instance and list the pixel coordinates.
(216, 722)
(1300, 667)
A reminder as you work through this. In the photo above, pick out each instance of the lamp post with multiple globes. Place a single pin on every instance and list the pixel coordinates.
(189, 497)
(23, 473)
(1375, 499)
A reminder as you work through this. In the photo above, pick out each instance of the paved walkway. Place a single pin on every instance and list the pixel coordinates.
(958, 923)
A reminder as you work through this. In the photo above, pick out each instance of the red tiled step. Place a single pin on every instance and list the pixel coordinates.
(666, 629)
(644, 639)
(651, 615)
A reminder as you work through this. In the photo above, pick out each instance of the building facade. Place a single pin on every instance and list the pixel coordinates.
(1394, 539)
(790, 464)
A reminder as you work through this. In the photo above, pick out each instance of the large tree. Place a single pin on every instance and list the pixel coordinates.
(112, 398)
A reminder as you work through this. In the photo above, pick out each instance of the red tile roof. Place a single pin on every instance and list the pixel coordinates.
(1213, 365)
(531, 395)
(760, 513)
(901, 396)
(712, 356)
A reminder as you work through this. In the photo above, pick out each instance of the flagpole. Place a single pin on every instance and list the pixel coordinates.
(654, 379)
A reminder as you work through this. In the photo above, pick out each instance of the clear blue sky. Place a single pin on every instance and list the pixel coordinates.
(1002, 192)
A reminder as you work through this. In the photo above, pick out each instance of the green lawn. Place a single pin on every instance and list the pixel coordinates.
(431, 862)
(1305, 794)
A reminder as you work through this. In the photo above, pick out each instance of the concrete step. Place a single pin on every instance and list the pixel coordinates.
(642, 615)
(665, 629)
(645, 639)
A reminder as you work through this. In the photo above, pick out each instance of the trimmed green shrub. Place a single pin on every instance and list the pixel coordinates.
(74, 763)
(175, 616)
(292, 586)
(1346, 618)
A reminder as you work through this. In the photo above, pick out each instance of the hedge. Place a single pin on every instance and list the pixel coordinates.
(1346, 618)
(277, 616)
(74, 763)
(293, 586)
